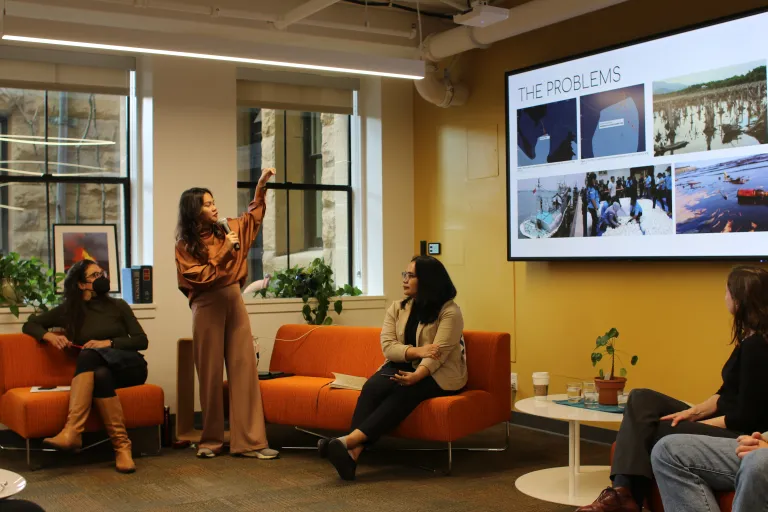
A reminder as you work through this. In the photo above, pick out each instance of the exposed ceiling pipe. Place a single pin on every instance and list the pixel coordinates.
(523, 18)
(216, 12)
(456, 4)
(438, 89)
(304, 10)
(408, 34)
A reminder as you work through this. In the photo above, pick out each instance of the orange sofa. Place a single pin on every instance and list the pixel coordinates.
(24, 362)
(724, 499)
(312, 353)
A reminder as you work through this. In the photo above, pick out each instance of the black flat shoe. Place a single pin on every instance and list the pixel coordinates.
(341, 459)
(322, 447)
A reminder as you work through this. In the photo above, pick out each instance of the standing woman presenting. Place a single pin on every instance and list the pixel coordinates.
(212, 268)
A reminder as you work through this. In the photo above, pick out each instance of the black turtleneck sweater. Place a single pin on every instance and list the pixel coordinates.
(744, 393)
(105, 319)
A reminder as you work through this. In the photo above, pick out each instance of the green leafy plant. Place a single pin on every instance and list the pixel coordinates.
(607, 343)
(27, 283)
(313, 282)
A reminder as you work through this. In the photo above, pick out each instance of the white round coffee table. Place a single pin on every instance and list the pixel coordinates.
(10, 483)
(576, 484)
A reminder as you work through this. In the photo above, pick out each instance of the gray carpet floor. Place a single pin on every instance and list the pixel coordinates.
(388, 480)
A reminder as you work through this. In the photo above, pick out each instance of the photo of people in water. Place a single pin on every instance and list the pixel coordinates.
(613, 122)
(722, 196)
(546, 133)
(633, 201)
(714, 109)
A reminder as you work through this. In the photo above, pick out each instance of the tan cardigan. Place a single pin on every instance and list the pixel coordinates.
(450, 371)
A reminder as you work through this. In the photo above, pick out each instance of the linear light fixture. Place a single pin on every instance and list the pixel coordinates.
(5, 206)
(54, 141)
(172, 53)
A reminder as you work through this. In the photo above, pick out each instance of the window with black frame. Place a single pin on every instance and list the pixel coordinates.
(63, 160)
(309, 202)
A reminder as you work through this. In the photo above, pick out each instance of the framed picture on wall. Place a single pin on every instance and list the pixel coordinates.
(97, 242)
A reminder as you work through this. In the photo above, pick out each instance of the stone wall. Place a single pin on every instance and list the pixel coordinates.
(335, 161)
(73, 121)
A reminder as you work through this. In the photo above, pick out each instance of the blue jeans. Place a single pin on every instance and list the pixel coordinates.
(690, 468)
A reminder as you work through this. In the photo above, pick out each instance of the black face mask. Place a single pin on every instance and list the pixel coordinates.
(101, 286)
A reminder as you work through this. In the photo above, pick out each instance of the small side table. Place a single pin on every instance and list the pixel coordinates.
(575, 484)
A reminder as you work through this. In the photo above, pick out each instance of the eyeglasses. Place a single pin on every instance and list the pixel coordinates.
(407, 276)
(96, 275)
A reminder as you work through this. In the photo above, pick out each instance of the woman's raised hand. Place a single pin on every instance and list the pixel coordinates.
(266, 174)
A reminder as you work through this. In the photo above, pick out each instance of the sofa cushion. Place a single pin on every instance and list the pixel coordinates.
(292, 400)
(319, 351)
(35, 415)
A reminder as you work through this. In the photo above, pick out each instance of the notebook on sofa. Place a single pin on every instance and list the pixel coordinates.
(42, 389)
(347, 382)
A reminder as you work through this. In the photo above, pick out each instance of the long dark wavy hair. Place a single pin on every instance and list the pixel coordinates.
(435, 288)
(188, 227)
(748, 287)
(74, 304)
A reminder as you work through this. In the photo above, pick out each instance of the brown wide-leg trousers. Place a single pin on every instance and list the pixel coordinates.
(222, 333)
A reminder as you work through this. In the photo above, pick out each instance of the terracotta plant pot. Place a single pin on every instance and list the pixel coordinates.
(608, 390)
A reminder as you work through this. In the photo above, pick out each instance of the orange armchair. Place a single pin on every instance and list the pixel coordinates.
(24, 362)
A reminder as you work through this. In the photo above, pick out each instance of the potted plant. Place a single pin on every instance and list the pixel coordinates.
(313, 283)
(27, 283)
(608, 387)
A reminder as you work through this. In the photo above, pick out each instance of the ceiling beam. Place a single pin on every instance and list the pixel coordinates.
(304, 10)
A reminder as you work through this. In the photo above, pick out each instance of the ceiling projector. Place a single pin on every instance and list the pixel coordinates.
(482, 15)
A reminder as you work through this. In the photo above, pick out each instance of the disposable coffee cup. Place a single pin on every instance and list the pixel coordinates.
(540, 385)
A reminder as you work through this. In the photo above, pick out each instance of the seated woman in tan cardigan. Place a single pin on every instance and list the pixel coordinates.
(422, 342)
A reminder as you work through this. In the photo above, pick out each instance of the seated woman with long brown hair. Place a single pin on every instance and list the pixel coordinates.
(739, 407)
(108, 337)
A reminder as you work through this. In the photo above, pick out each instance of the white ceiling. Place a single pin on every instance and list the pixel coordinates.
(215, 25)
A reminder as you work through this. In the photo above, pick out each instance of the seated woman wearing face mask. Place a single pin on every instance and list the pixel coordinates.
(107, 338)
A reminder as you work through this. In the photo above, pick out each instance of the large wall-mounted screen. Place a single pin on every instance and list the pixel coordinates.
(654, 150)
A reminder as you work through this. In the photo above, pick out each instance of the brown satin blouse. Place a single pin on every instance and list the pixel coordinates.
(223, 268)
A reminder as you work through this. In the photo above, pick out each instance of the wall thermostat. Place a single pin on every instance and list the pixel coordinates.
(434, 249)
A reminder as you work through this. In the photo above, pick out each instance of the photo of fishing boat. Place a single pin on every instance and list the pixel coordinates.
(710, 110)
(722, 196)
(545, 205)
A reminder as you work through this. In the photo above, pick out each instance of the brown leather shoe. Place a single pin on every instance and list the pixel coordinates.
(612, 500)
(112, 414)
(80, 398)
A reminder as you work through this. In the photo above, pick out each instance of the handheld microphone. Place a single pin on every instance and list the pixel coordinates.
(225, 226)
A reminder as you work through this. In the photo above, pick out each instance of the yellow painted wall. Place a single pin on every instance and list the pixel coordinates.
(671, 315)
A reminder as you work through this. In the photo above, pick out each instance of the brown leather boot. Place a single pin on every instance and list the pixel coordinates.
(112, 414)
(612, 500)
(80, 399)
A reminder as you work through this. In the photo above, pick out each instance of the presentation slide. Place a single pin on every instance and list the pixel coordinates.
(654, 150)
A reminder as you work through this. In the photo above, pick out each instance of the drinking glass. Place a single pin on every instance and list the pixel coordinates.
(590, 399)
(588, 387)
(622, 398)
(574, 392)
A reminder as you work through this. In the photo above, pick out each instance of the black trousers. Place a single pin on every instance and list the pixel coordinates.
(593, 229)
(668, 195)
(642, 428)
(105, 379)
(384, 404)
